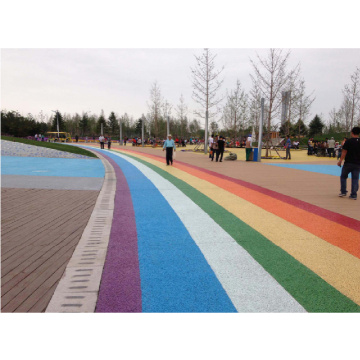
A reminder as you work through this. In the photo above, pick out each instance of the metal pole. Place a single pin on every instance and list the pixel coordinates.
(206, 132)
(168, 125)
(57, 120)
(142, 132)
(120, 125)
(261, 130)
(102, 129)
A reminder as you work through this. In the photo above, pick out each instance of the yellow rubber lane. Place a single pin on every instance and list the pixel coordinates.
(337, 267)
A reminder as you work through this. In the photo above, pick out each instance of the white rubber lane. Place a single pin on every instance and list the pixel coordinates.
(249, 286)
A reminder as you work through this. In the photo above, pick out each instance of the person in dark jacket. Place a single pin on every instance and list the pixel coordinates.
(351, 154)
(221, 148)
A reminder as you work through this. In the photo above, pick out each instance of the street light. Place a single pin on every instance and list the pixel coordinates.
(57, 121)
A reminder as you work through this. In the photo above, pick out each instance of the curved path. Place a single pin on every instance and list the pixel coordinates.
(185, 239)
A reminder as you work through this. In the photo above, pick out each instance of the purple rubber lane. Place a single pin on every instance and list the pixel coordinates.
(120, 289)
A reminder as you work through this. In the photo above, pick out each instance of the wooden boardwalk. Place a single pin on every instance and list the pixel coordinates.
(40, 230)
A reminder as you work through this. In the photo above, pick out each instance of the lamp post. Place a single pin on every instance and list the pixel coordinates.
(206, 132)
(261, 129)
(120, 126)
(57, 121)
(142, 131)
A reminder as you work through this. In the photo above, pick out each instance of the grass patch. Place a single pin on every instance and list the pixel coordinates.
(60, 147)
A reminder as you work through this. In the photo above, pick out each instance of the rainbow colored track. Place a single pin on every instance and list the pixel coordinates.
(185, 239)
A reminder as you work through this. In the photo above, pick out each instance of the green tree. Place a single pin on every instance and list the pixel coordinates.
(214, 127)
(316, 126)
(58, 118)
(84, 124)
(300, 129)
(113, 124)
(14, 124)
(285, 129)
(138, 127)
(100, 121)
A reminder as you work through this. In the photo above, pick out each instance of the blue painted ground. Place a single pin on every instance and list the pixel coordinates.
(175, 276)
(38, 166)
(320, 169)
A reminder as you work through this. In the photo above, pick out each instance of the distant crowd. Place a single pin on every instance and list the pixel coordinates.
(327, 147)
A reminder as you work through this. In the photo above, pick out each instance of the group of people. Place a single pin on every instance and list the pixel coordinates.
(217, 147)
(102, 141)
(328, 147)
(39, 137)
(348, 151)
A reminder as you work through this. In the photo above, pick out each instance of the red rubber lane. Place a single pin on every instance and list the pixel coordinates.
(334, 232)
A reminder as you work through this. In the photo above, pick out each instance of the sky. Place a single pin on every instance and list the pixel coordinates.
(74, 80)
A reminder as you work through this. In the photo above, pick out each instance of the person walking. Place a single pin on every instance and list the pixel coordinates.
(109, 142)
(215, 148)
(76, 138)
(248, 147)
(169, 145)
(211, 141)
(101, 139)
(331, 147)
(351, 154)
(310, 146)
(288, 147)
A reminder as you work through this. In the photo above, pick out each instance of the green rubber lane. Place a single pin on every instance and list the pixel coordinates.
(310, 290)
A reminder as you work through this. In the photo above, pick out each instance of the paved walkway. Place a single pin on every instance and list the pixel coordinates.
(188, 238)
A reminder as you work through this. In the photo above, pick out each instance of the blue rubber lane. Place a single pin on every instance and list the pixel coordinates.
(38, 166)
(175, 276)
(320, 169)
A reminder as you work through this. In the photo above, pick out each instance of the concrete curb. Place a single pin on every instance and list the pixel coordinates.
(79, 286)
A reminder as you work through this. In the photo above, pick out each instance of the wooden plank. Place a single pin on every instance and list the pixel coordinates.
(43, 221)
(42, 303)
(46, 236)
(33, 262)
(42, 290)
(37, 281)
(48, 209)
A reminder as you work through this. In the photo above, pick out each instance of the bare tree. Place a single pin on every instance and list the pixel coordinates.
(255, 105)
(293, 88)
(206, 83)
(182, 112)
(302, 104)
(166, 108)
(352, 96)
(235, 111)
(194, 127)
(336, 119)
(272, 77)
(155, 107)
(346, 113)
